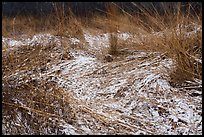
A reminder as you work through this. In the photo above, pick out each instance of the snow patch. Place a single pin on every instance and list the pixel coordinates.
(69, 130)
(74, 41)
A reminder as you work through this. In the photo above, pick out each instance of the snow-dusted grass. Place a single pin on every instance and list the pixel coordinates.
(132, 95)
(60, 85)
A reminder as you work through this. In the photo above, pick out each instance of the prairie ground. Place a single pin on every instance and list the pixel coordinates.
(112, 75)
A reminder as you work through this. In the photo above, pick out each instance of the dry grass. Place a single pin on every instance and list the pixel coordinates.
(112, 11)
(57, 23)
(184, 50)
(35, 106)
(31, 104)
(27, 57)
(172, 37)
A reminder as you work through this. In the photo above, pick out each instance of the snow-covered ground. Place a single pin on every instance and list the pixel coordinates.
(127, 96)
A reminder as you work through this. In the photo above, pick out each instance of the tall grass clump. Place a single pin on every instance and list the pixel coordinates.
(177, 33)
(61, 22)
(68, 24)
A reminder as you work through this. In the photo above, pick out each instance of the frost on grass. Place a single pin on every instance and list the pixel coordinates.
(129, 96)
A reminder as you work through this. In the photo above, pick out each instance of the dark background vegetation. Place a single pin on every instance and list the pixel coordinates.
(89, 8)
